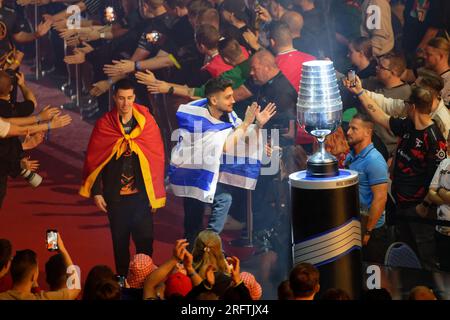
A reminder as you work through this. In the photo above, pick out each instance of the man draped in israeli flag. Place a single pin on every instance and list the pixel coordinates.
(215, 149)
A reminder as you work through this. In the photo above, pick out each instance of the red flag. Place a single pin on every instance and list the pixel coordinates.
(108, 139)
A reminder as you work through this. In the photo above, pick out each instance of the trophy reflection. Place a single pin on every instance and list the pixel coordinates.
(319, 109)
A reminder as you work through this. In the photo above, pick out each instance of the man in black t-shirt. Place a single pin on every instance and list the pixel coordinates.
(129, 184)
(12, 160)
(420, 150)
(268, 84)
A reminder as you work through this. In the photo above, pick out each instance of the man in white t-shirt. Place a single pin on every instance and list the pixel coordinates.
(439, 194)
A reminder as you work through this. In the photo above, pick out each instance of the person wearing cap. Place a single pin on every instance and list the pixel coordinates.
(177, 282)
(141, 265)
(252, 285)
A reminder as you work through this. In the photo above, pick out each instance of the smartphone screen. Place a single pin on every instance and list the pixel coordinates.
(110, 15)
(121, 281)
(152, 37)
(352, 78)
(52, 240)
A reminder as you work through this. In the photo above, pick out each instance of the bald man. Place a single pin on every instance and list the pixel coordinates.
(295, 22)
(268, 84)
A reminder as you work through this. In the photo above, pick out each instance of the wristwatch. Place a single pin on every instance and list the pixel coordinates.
(368, 233)
(171, 90)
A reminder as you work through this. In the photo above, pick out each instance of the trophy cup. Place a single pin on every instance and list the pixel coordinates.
(319, 109)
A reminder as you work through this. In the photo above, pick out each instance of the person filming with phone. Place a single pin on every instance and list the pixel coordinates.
(25, 272)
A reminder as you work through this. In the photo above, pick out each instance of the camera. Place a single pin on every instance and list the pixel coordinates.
(33, 178)
(351, 76)
(52, 240)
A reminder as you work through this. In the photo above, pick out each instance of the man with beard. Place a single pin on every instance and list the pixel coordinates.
(373, 185)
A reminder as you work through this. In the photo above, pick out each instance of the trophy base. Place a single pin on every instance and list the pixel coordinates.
(322, 170)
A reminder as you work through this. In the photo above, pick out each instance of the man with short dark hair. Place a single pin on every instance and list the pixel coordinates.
(220, 131)
(124, 172)
(304, 281)
(420, 150)
(388, 82)
(56, 272)
(373, 185)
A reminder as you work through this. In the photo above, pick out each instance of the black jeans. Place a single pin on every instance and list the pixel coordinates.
(420, 237)
(375, 250)
(130, 216)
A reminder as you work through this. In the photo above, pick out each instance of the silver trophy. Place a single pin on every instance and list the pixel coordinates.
(319, 109)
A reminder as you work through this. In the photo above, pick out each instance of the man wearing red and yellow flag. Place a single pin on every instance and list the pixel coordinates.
(124, 172)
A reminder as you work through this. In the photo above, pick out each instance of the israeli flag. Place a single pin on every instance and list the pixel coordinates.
(198, 162)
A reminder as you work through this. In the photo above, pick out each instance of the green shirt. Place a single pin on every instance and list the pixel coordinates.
(238, 75)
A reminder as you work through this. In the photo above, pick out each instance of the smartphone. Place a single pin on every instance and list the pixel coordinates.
(52, 240)
(351, 76)
(153, 36)
(110, 15)
(121, 281)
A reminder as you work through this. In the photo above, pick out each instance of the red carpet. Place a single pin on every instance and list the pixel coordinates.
(27, 212)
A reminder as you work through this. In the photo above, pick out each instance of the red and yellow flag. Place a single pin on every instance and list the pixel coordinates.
(108, 139)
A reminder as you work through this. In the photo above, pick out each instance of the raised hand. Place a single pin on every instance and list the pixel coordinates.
(263, 14)
(26, 163)
(358, 85)
(145, 78)
(209, 275)
(32, 140)
(235, 267)
(158, 86)
(43, 28)
(67, 34)
(49, 112)
(24, 3)
(251, 39)
(20, 79)
(87, 48)
(180, 249)
(188, 260)
(78, 57)
(99, 88)
(251, 112)
(262, 117)
(60, 121)
(118, 68)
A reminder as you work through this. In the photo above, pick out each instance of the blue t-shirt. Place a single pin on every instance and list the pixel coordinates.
(372, 170)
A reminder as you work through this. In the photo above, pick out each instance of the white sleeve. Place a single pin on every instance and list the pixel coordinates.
(435, 182)
(4, 128)
(392, 107)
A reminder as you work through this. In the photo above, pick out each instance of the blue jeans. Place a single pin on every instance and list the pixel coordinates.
(194, 209)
